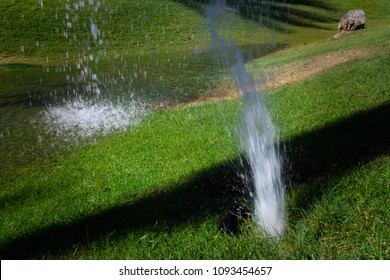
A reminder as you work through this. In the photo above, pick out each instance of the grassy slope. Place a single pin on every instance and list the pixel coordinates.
(124, 26)
(160, 190)
(62, 30)
(44, 35)
(337, 200)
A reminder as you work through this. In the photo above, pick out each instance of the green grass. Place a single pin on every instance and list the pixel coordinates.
(43, 35)
(160, 190)
(171, 181)
(64, 28)
(61, 30)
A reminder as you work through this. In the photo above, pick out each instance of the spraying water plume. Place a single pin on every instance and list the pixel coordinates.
(257, 136)
(81, 118)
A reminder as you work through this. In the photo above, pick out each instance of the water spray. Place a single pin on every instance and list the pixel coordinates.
(258, 138)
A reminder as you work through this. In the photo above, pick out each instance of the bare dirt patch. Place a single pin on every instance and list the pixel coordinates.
(303, 69)
(285, 74)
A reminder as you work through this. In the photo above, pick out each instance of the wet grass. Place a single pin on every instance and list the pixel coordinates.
(160, 190)
(59, 30)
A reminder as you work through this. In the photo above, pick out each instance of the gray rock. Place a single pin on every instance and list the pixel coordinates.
(353, 20)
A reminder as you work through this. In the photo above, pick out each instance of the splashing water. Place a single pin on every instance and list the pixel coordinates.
(82, 119)
(257, 137)
(259, 140)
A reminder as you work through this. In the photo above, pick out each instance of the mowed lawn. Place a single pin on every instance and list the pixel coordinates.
(160, 190)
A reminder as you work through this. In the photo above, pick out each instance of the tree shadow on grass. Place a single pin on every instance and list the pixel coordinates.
(335, 148)
(207, 193)
(275, 14)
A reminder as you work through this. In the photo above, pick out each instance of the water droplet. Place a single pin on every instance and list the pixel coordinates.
(95, 30)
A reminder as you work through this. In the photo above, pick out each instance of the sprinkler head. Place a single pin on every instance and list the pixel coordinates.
(233, 219)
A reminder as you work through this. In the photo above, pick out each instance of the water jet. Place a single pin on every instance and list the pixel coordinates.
(257, 134)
